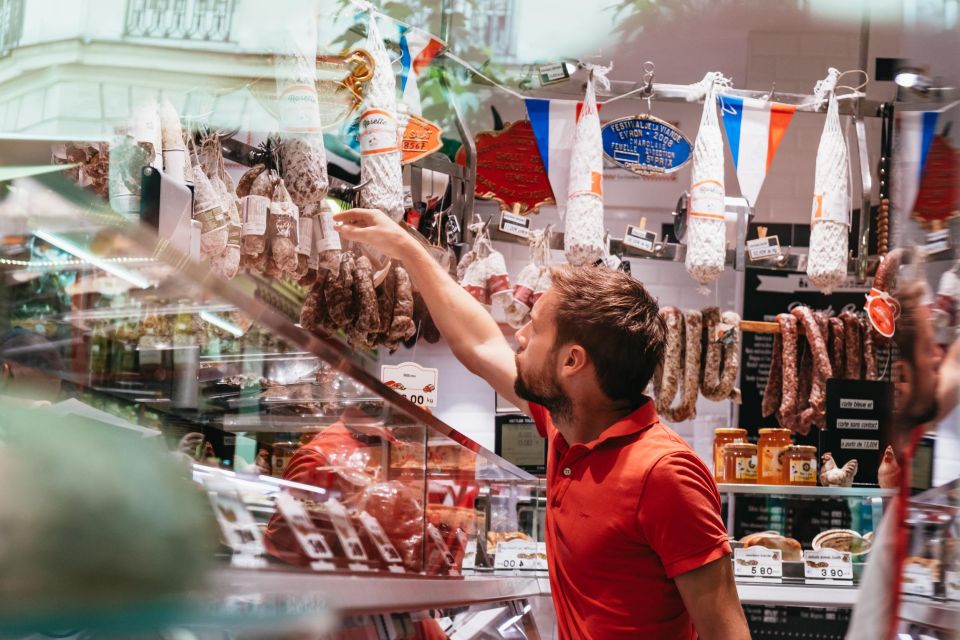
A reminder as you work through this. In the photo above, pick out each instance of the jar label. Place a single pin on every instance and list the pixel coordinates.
(803, 471)
(746, 468)
(773, 461)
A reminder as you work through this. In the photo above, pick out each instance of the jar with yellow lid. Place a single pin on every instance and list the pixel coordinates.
(723, 437)
(800, 465)
(770, 450)
(740, 463)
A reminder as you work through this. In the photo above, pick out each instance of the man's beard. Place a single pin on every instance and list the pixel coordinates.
(544, 390)
(929, 414)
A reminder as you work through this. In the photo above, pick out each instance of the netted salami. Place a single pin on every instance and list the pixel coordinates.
(706, 231)
(583, 238)
(830, 218)
(282, 229)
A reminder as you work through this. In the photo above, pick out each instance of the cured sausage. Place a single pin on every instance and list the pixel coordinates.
(837, 347)
(731, 359)
(821, 369)
(774, 387)
(690, 386)
(714, 353)
(851, 326)
(787, 414)
(886, 275)
(869, 355)
(669, 378)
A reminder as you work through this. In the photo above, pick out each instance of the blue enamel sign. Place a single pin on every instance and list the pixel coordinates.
(645, 145)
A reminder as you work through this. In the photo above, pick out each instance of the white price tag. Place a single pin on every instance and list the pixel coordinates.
(758, 563)
(311, 540)
(640, 239)
(387, 551)
(415, 383)
(827, 565)
(763, 248)
(952, 586)
(937, 241)
(349, 539)
(239, 528)
(552, 73)
(514, 224)
(918, 580)
(517, 554)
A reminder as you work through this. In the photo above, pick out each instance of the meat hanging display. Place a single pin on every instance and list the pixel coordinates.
(706, 233)
(816, 412)
(380, 168)
(722, 361)
(830, 217)
(583, 238)
(787, 414)
(690, 381)
(853, 345)
(667, 379)
(773, 390)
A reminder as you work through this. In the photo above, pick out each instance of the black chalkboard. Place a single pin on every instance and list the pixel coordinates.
(858, 425)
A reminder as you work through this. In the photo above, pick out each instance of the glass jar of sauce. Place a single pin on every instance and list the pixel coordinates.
(722, 437)
(770, 450)
(740, 463)
(800, 465)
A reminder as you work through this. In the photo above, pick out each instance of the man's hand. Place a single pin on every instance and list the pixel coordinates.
(376, 229)
(710, 595)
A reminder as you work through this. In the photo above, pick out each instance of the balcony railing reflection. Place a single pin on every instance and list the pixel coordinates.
(203, 20)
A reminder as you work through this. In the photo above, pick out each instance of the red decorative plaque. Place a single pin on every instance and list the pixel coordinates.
(509, 169)
(939, 195)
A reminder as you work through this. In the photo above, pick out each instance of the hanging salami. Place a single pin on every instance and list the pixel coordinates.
(583, 238)
(706, 236)
(830, 218)
(380, 153)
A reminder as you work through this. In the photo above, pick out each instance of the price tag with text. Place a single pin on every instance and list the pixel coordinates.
(827, 565)
(415, 383)
(552, 73)
(763, 248)
(918, 579)
(758, 563)
(952, 584)
(937, 241)
(640, 239)
(516, 554)
(514, 224)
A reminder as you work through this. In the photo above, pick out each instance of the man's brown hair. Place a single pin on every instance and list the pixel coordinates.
(911, 295)
(617, 322)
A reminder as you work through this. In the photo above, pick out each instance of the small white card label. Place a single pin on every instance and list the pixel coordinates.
(758, 563)
(516, 554)
(552, 73)
(640, 239)
(514, 224)
(827, 565)
(387, 551)
(937, 241)
(415, 383)
(311, 540)
(763, 248)
(239, 528)
(952, 586)
(349, 539)
(918, 580)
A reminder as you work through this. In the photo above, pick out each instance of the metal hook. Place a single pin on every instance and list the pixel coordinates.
(773, 90)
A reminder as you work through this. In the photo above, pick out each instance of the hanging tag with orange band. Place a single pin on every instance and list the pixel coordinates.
(882, 310)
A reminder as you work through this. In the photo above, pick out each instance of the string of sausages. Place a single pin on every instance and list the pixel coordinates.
(702, 356)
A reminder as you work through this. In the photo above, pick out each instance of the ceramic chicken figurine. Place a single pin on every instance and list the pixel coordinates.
(888, 475)
(833, 476)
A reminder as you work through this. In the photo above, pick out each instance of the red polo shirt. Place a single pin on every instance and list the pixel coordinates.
(626, 514)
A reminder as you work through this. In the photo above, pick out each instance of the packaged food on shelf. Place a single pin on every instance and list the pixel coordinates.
(740, 463)
(721, 437)
(800, 465)
(770, 453)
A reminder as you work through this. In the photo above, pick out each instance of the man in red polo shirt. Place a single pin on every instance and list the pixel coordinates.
(635, 542)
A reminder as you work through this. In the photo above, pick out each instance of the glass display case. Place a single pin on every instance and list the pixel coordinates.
(310, 464)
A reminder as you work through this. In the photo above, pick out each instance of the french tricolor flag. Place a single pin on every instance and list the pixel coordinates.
(554, 122)
(417, 50)
(754, 129)
(912, 139)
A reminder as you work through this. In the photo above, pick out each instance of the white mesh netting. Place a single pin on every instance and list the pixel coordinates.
(706, 230)
(379, 141)
(829, 233)
(583, 240)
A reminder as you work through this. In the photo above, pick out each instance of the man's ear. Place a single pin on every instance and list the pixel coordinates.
(902, 375)
(574, 360)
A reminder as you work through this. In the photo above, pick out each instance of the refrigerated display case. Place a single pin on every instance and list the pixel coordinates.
(324, 482)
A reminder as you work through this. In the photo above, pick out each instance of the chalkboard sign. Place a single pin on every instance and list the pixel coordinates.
(858, 425)
(768, 292)
(768, 622)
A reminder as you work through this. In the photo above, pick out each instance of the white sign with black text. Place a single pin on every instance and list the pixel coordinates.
(827, 566)
(758, 564)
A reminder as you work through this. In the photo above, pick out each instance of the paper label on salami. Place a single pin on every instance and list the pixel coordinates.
(285, 220)
(325, 236)
(299, 109)
(212, 219)
(234, 233)
(706, 200)
(305, 237)
(830, 206)
(254, 211)
(586, 184)
(378, 133)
